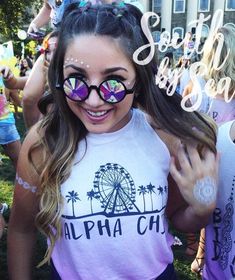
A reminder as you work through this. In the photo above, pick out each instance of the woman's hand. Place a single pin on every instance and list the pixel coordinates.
(6, 73)
(196, 177)
(32, 28)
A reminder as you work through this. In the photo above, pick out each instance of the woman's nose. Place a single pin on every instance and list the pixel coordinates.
(94, 99)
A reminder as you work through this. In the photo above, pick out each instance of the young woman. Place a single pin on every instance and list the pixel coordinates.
(26, 66)
(217, 82)
(220, 233)
(9, 136)
(215, 98)
(222, 102)
(93, 174)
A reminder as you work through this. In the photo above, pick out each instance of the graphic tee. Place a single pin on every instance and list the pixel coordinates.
(220, 233)
(114, 224)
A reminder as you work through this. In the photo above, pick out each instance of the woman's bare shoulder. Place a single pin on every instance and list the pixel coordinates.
(32, 147)
(172, 142)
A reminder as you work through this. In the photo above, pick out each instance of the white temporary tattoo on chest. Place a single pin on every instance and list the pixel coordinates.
(205, 190)
(25, 185)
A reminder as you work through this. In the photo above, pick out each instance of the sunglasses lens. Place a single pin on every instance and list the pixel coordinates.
(75, 89)
(112, 91)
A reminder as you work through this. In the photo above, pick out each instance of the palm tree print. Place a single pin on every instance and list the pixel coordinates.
(150, 189)
(161, 191)
(91, 195)
(165, 189)
(73, 197)
(142, 191)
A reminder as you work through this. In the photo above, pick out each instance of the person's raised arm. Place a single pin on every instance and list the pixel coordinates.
(192, 188)
(41, 19)
(10, 81)
(21, 230)
(33, 91)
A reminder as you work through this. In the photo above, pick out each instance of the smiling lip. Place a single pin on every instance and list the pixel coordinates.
(97, 116)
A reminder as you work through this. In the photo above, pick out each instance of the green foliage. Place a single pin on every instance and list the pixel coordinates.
(14, 15)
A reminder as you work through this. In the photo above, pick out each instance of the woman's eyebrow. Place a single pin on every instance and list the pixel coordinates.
(113, 69)
(105, 72)
(79, 69)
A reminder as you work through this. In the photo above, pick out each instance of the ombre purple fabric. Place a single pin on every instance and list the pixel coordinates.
(220, 232)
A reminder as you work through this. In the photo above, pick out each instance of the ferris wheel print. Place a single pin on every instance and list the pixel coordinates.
(115, 189)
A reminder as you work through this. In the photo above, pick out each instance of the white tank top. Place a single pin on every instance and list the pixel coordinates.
(114, 224)
(220, 233)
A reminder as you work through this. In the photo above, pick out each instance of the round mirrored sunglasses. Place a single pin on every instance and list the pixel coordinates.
(111, 90)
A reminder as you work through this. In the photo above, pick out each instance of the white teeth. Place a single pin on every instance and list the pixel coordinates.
(96, 114)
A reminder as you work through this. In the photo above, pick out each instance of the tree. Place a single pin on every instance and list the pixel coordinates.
(73, 197)
(14, 15)
(91, 195)
(142, 191)
(150, 189)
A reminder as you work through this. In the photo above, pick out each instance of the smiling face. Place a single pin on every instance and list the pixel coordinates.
(25, 63)
(95, 59)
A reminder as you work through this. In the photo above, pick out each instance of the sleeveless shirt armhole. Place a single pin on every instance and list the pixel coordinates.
(232, 131)
(170, 141)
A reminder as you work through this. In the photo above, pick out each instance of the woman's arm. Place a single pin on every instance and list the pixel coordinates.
(187, 208)
(21, 230)
(14, 95)
(41, 19)
(188, 89)
(177, 211)
(10, 81)
(33, 91)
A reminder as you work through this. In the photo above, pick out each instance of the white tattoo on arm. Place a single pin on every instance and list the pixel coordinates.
(25, 185)
(205, 190)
